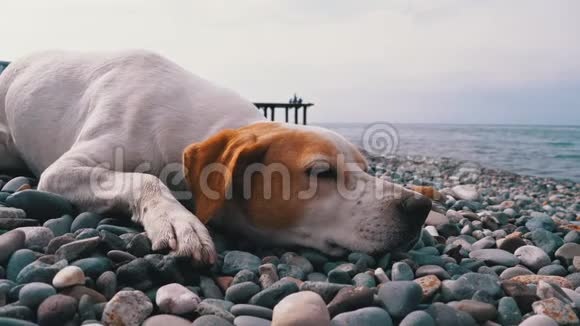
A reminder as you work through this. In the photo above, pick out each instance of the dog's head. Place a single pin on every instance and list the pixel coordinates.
(298, 185)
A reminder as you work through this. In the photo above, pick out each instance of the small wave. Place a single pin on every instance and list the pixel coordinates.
(561, 144)
(568, 156)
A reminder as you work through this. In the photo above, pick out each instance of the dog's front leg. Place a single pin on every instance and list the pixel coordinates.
(167, 223)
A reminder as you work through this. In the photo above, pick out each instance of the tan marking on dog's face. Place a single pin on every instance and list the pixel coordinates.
(288, 185)
(301, 153)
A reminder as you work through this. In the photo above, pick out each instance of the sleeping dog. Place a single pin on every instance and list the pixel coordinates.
(134, 133)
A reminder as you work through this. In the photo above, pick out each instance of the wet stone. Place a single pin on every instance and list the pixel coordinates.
(400, 297)
(438, 271)
(40, 205)
(209, 289)
(508, 312)
(85, 220)
(480, 311)
(521, 293)
(348, 299)
(313, 311)
(135, 274)
(562, 313)
(33, 294)
(120, 257)
(93, 267)
(271, 296)
(244, 275)
(39, 271)
(532, 257)
(68, 276)
(430, 284)
(210, 308)
(58, 242)
(251, 310)
(127, 308)
(567, 252)
(78, 291)
(495, 256)
(300, 262)
(326, 290)
(59, 226)
(107, 284)
(19, 259)
(176, 299)
(402, 272)
(241, 292)
(57, 310)
(37, 237)
(16, 222)
(555, 270)
(360, 279)
(418, 318)
(166, 320)
(77, 249)
(139, 246)
(211, 320)
(235, 261)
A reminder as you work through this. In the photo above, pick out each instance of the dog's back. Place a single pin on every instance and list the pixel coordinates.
(136, 100)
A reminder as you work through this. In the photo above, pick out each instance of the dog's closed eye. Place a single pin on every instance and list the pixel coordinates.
(321, 170)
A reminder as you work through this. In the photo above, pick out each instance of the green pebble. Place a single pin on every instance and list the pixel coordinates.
(316, 258)
(418, 318)
(210, 309)
(339, 276)
(209, 289)
(16, 312)
(242, 292)
(86, 308)
(316, 277)
(86, 233)
(326, 290)
(4, 321)
(271, 296)
(384, 261)
(235, 261)
(508, 312)
(370, 316)
(118, 230)
(86, 220)
(20, 259)
(251, 310)
(364, 279)
(359, 257)
(94, 266)
(291, 271)
(245, 275)
(402, 272)
(211, 320)
(59, 226)
(39, 272)
(40, 205)
(300, 262)
(32, 294)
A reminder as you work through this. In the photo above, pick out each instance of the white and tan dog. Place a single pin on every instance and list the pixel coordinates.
(69, 116)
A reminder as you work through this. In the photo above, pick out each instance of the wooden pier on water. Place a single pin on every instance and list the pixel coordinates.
(271, 107)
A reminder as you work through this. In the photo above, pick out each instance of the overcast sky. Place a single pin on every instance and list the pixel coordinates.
(436, 61)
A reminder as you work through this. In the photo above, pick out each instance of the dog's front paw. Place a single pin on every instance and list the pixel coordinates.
(181, 232)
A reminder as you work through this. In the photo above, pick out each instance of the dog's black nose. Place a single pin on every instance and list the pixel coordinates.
(416, 208)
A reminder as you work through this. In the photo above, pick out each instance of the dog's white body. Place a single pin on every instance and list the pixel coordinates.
(122, 120)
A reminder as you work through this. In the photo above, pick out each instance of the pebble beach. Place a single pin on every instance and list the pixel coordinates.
(497, 249)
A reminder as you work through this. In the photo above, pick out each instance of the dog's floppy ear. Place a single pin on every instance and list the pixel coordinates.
(209, 167)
